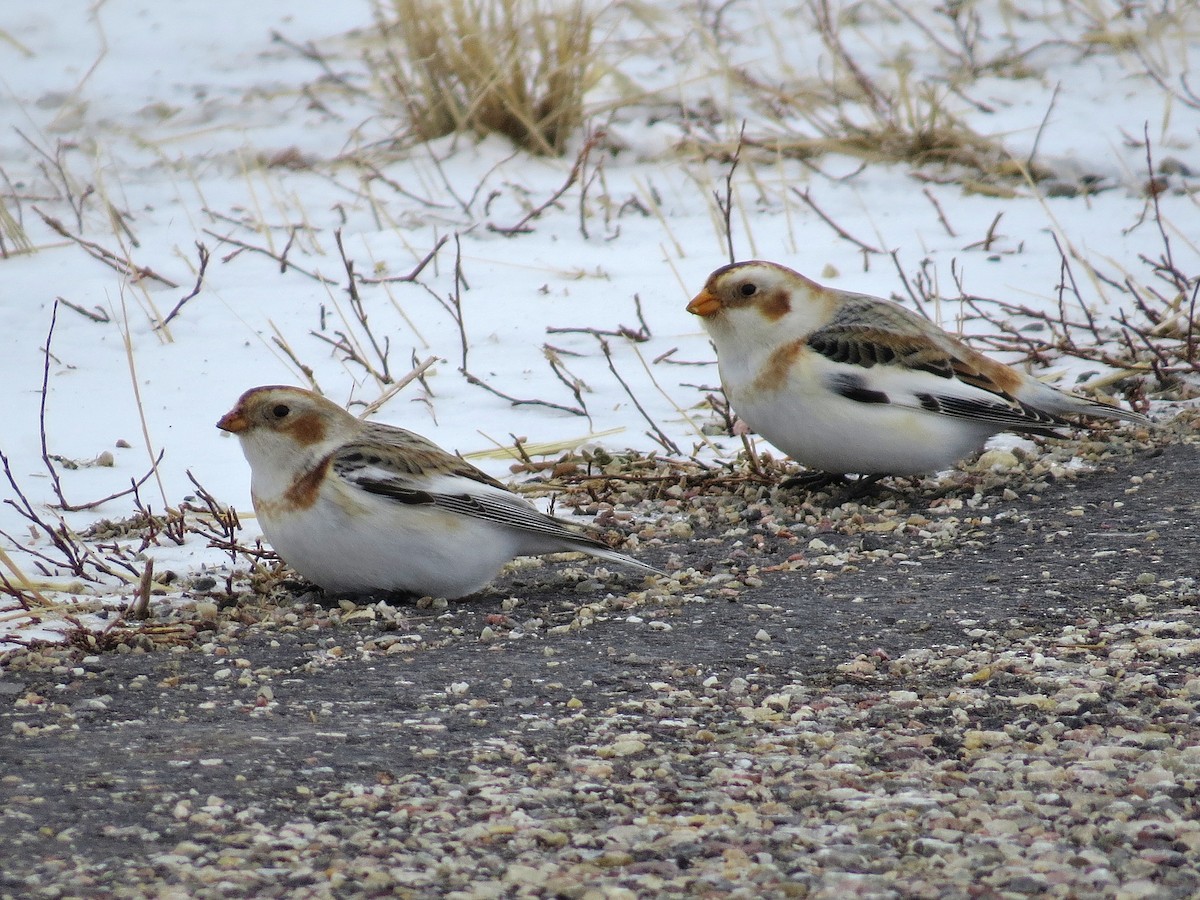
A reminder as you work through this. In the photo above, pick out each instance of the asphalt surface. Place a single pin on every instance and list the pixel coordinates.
(138, 731)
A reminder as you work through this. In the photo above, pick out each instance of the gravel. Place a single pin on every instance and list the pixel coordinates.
(987, 685)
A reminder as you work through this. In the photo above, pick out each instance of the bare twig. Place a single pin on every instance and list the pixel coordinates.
(308, 51)
(284, 263)
(515, 401)
(417, 372)
(1184, 95)
(123, 266)
(456, 299)
(42, 405)
(658, 434)
(989, 238)
(134, 486)
(225, 517)
(831, 37)
(202, 253)
(1068, 275)
(574, 384)
(377, 175)
(522, 227)
(1168, 262)
(416, 271)
(586, 183)
(453, 303)
(48, 458)
(307, 371)
(345, 345)
(667, 359)
(1037, 138)
(287, 248)
(940, 212)
(918, 301)
(638, 335)
(838, 230)
(360, 313)
(98, 315)
(68, 183)
(725, 203)
(76, 557)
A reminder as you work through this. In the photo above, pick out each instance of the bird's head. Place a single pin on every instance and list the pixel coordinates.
(287, 427)
(752, 302)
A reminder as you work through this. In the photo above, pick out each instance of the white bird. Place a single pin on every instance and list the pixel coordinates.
(359, 507)
(848, 383)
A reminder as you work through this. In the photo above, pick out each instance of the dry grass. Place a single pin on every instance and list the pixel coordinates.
(519, 68)
(12, 235)
(881, 113)
(920, 105)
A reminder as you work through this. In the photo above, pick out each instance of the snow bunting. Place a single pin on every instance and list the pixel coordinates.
(845, 382)
(358, 507)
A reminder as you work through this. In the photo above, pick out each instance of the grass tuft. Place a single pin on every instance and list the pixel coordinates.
(519, 68)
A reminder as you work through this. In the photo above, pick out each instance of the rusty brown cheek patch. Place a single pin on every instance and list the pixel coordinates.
(307, 430)
(775, 373)
(777, 305)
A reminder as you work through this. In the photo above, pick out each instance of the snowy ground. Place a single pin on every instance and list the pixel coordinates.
(148, 128)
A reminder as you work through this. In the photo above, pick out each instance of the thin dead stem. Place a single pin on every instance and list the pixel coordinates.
(284, 262)
(725, 202)
(522, 226)
(202, 266)
(123, 266)
(838, 229)
(656, 432)
(48, 458)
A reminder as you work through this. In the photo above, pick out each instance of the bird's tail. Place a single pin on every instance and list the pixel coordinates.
(601, 551)
(1060, 402)
(1108, 411)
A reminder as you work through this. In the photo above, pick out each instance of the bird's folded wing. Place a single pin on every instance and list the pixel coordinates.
(402, 452)
(867, 333)
(451, 490)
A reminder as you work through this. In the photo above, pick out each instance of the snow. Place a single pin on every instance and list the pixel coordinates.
(170, 110)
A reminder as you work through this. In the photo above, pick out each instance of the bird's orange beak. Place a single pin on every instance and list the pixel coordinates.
(704, 304)
(233, 421)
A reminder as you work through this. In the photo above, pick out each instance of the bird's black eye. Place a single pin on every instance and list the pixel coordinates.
(280, 411)
(749, 289)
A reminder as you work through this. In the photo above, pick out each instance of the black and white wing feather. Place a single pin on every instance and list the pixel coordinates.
(421, 473)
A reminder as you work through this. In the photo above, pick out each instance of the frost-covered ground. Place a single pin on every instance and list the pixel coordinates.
(147, 129)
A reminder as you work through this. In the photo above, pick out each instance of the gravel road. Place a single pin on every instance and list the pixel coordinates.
(986, 688)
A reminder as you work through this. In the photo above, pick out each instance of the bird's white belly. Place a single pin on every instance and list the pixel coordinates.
(385, 547)
(824, 431)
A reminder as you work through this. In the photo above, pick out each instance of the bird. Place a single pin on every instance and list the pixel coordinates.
(362, 507)
(846, 383)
